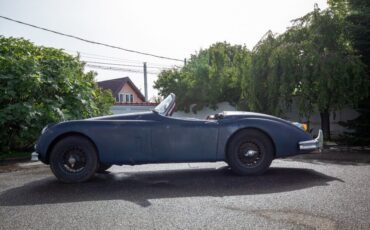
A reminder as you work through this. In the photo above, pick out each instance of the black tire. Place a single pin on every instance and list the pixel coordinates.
(102, 168)
(73, 159)
(250, 152)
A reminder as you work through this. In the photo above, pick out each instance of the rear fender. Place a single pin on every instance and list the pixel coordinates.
(284, 135)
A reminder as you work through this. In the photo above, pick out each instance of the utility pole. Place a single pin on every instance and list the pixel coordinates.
(184, 61)
(145, 83)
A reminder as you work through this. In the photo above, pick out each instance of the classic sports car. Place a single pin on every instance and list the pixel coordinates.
(247, 141)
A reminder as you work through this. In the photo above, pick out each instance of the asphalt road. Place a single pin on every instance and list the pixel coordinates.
(291, 195)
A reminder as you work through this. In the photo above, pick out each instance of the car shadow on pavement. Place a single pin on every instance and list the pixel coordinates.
(140, 187)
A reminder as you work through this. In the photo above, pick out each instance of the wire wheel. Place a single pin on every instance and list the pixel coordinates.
(250, 152)
(73, 159)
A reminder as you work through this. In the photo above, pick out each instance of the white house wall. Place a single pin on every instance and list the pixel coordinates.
(119, 109)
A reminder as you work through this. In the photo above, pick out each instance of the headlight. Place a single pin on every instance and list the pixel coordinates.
(303, 126)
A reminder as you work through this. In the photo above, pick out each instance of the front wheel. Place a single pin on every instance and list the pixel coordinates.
(250, 152)
(73, 159)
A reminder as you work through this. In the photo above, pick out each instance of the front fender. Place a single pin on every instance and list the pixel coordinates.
(52, 134)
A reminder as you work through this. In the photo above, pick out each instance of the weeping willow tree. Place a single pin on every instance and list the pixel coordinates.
(313, 62)
(332, 75)
(259, 85)
(268, 87)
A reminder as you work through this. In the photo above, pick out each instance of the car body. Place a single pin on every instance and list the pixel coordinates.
(157, 137)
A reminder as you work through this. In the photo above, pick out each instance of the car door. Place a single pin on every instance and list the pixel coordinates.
(123, 142)
(184, 140)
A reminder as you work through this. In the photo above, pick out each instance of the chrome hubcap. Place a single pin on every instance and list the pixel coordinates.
(74, 160)
(250, 153)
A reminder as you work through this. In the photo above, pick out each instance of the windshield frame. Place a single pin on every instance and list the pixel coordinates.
(165, 107)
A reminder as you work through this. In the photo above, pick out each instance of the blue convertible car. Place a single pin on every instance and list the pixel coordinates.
(247, 141)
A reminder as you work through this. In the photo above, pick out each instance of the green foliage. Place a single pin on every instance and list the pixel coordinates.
(356, 14)
(211, 76)
(314, 64)
(267, 86)
(41, 85)
(332, 71)
(358, 129)
(10, 155)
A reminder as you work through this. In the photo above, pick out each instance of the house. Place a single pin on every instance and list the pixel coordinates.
(128, 97)
(123, 90)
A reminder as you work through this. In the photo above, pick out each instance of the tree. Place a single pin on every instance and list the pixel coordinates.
(313, 64)
(211, 76)
(359, 127)
(271, 82)
(263, 86)
(356, 13)
(332, 74)
(41, 85)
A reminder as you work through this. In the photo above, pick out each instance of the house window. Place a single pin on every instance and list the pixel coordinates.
(120, 97)
(126, 98)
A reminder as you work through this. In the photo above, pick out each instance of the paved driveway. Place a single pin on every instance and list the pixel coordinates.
(291, 195)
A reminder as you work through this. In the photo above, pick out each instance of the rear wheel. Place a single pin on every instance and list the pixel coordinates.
(73, 159)
(250, 152)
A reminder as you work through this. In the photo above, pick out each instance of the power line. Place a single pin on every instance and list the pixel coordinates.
(84, 55)
(89, 41)
(117, 69)
(128, 61)
(92, 59)
(107, 63)
(128, 65)
(102, 57)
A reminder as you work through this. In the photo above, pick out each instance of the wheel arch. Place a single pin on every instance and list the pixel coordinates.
(68, 134)
(249, 128)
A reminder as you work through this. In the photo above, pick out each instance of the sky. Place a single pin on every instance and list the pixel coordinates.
(168, 28)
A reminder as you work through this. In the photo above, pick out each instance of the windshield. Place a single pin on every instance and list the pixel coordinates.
(164, 107)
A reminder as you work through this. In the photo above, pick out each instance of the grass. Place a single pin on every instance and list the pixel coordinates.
(13, 155)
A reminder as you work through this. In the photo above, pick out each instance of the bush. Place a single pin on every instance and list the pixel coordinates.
(40, 85)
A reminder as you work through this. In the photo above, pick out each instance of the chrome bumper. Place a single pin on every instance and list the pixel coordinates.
(34, 156)
(315, 144)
